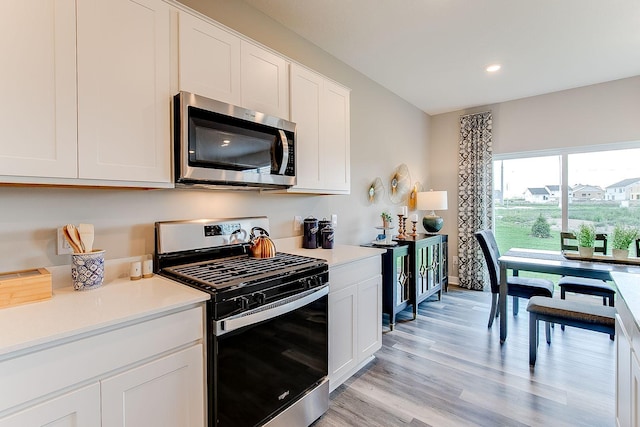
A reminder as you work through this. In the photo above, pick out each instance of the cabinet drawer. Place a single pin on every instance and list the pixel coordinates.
(46, 371)
(354, 272)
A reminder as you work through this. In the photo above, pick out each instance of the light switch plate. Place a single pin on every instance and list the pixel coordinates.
(334, 220)
(63, 246)
(297, 223)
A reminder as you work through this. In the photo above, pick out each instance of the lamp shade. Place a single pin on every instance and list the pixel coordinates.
(432, 201)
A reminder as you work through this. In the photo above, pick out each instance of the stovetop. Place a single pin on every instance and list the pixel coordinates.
(212, 256)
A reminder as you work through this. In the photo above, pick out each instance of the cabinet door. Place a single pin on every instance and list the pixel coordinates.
(320, 109)
(79, 408)
(209, 60)
(369, 317)
(38, 87)
(343, 315)
(623, 375)
(335, 136)
(635, 391)
(166, 392)
(306, 92)
(124, 90)
(264, 81)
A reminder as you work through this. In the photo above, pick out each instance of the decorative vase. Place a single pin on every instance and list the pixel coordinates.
(386, 224)
(585, 252)
(620, 253)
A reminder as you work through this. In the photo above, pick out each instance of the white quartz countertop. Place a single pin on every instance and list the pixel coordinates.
(340, 254)
(71, 312)
(628, 285)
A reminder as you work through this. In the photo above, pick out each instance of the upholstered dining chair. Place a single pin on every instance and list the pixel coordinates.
(517, 287)
(582, 285)
(638, 248)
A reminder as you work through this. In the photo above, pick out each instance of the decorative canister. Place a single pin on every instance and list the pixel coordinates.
(310, 235)
(327, 234)
(324, 222)
(87, 270)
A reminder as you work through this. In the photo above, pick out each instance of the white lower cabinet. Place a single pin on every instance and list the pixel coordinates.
(78, 408)
(164, 392)
(635, 390)
(623, 375)
(145, 373)
(355, 317)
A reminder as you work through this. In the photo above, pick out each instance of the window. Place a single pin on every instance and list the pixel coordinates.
(538, 195)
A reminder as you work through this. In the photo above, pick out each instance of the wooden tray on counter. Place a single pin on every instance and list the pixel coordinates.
(19, 287)
(602, 258)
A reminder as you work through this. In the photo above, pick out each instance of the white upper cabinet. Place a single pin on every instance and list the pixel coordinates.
(38, 87)
(320, 109)
(86, 85)
(124, 90)
(218, 64)
(209, 60)
(264, 81)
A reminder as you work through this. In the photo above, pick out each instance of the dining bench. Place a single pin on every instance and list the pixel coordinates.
(579, 314)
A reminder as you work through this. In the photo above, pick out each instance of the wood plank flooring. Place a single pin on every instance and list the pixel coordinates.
(447, 369)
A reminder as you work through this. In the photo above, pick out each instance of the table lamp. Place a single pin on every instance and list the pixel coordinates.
(432, 201)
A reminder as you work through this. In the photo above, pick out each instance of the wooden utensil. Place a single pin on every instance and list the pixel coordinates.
(69, 239)
(73, 237)
(86, 236)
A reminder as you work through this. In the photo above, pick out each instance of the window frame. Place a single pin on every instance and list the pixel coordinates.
(563, 153)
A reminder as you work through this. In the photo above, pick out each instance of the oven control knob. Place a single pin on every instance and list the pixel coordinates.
(314, 282)
(259, 297)
(244, 302)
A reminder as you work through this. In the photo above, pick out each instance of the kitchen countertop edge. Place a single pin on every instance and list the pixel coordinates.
(339, 255)
(71, 313)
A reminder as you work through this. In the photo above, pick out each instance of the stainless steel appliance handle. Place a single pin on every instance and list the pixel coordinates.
(269, 311)
(285, 152)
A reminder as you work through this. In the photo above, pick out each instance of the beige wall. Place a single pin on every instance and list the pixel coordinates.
(593, 115)
(385, 132)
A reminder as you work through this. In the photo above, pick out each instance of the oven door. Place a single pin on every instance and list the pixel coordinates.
(266, 361)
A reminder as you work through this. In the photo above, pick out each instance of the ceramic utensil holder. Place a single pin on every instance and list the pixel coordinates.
(87, 270)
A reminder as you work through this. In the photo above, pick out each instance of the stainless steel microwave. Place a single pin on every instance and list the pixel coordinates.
(218, 144)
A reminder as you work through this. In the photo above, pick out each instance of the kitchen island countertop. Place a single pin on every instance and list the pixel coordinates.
(628, 285)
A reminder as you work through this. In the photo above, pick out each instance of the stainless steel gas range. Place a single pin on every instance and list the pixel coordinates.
(267, 334)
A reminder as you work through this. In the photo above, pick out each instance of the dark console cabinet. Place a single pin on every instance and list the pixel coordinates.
(412, 272)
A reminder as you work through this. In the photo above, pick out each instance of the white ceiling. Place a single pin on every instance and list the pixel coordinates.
(433, 53)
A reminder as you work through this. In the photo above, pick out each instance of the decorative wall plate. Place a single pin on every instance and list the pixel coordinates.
(413, 196)
(400, 184)
(376, 189)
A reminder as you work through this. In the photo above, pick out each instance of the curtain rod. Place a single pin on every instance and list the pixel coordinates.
(479, 112)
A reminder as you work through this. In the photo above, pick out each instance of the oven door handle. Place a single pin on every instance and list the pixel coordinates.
(269, 311)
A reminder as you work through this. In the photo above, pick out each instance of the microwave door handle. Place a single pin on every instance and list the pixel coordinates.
(285, 152)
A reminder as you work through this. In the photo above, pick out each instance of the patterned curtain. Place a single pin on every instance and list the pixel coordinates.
(475, 196)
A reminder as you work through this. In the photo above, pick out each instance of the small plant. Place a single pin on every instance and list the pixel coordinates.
(385, 217)
(586, 235)
(623, 236)
(541, 228)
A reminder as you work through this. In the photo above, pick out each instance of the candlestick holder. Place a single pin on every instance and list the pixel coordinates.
(401, 227)
(413, 229)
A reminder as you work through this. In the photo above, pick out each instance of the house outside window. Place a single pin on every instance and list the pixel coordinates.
(566, 188)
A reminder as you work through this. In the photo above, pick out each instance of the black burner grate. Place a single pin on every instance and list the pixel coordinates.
(234, 271)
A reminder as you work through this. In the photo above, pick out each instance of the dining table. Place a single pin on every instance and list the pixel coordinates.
(555, 262)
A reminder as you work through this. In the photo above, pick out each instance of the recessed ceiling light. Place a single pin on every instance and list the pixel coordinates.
(493, 68)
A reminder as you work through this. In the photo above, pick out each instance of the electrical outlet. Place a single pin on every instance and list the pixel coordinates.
(455, 261)
(63, 247)
(297, 223)
(334, 220)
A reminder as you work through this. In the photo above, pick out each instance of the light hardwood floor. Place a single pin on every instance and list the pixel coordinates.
(447, 369)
